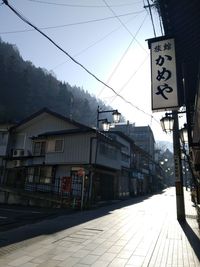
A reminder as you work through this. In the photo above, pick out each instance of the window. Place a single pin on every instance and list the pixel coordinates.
(108, 150)
(3, 138)
(39, 148)
(125, 150)
(30, 175)
(125, 157)
(40, 175)
(45, 175)
(37, 174)
(58, 145)
(55, 145)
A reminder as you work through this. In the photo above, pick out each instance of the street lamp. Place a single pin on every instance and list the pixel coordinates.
(106, 126)
(170, 123)
(116, 116)
(167, 123)
(105, 123)
(184, 134)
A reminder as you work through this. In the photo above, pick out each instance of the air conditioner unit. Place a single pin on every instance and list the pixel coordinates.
(18, 152)
(17, 163)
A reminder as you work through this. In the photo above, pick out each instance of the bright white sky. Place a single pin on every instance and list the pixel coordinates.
(112, 48)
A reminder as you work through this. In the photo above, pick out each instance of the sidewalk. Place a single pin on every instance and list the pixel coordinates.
(127, 234)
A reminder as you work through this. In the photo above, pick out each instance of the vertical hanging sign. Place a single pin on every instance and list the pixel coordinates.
(163, 75)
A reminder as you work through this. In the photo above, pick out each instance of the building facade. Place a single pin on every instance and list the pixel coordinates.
(62, 160)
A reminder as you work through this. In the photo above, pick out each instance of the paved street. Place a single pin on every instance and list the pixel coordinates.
(12, 216)
(130, 233)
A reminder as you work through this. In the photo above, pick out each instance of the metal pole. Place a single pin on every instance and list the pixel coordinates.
(98, 118)
(82, 191)
(178, 170)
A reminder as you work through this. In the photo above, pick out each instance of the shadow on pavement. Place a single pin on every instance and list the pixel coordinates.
(192, 237)
(62, 221)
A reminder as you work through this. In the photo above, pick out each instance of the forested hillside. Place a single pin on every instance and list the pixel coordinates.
(24, 89)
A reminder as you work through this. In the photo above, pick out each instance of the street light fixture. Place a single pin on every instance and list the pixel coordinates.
(167, 123)
(184, 134)
(106, 126)
(116, 116)
(170, 123)
(105, 123)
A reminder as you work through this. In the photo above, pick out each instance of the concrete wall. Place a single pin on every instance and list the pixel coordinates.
(14, 199)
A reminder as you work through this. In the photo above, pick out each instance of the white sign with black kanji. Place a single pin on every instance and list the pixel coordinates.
(163, 73)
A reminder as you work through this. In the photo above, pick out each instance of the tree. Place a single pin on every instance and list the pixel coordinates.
(24, 89)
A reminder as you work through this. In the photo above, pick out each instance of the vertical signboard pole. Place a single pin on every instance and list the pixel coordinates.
(178, 170)
(83, 187)
(165, 97)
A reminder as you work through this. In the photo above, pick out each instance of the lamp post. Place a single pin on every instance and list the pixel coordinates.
(106, 126)
(170, 123)
(105, 123)
(184, 134)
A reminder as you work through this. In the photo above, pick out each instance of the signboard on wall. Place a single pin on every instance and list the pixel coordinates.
(66, 184)
(163, 74)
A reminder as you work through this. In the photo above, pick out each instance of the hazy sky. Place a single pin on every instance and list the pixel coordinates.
(106, 36)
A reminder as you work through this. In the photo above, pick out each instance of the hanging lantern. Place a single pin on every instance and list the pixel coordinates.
(167, 123)
(184, 134)
(116, 116)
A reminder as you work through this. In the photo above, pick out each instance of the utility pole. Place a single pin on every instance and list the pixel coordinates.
(149, 7)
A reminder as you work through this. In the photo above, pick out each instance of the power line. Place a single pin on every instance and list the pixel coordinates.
(117, 94)
(124, 54)
(74, 60)
(149, 6)
(72, 24)
(94, 43)
(117, 17)
(84, 6)
(66, 53)
(116, 67)
(128, 81)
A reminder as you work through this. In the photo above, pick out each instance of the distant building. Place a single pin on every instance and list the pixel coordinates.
(145, 167)
(142, 136)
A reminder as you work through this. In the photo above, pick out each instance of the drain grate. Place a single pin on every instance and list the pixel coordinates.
(94, 229)
(81, 235)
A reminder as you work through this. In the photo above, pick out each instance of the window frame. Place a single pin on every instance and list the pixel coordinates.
(38, 175)
(41, 150)
(52, 146)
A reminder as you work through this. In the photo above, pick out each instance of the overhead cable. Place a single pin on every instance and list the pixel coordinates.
(131, 77)
(72, 24)
(74, 60)
(117, 66)
(66, 53)
(84, 6)
(93, 44)
(126, 28)
(125, 52)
